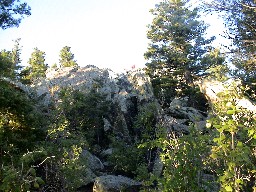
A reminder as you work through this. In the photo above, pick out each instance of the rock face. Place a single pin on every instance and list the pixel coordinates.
(111, 183)
(211, 88)
(94, 165)
(120, 88)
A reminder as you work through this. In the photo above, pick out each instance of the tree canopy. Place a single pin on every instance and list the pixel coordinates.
(67, 57)
(240, 19)
(177, 48)
(11, 13)
(10, 61)
(37, 66)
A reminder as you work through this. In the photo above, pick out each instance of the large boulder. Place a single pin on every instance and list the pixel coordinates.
(93, 162)
(92, 168)
(158, 166)
(179, 109)
(212, 88)
(111, 183)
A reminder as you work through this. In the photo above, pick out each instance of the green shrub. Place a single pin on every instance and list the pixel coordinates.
(84, 113)
(21, 128)
(233, 151)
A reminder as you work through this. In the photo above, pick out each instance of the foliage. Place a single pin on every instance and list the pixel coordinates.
(125, 158)
(84, 112)
(130, 158)
(184, 159)
(20, 121)
(5, 64)
(145, 123)
(76, 125)
(47, 155)
(16, 54)
(219, 69)
(11, 13)
(10, 61)
(67, 57)
(66, 168)
(176, 49)
(240, 19)
(147, 132)
(32, 159)
(20, 129)
(22, 175)
(235, 139)
(37, 66)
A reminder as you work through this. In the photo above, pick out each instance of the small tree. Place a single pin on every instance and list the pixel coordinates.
(234, 150)
(10, 61)
(37, 63)
(16, 60)
(5, 63)
(67, 57)
(184, 158)
(37, 66)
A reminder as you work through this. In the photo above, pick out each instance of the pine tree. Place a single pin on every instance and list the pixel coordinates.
(16, 57)
(5, 63)
(10, 61)
(176, 49)
(67, 57)
(240, 18)
(11, 13)
(37, 63)
(37, 66)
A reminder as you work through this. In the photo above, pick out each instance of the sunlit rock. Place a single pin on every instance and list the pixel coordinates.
(212, 89)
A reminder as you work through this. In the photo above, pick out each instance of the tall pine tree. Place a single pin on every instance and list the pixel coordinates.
(176, 49)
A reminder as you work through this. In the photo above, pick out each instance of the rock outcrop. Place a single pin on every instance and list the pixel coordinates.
(128, 93)
(111, 183)
(119, 88)
(212, 89)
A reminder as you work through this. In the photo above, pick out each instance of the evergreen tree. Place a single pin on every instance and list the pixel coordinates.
(67, 57)
(16, 60)
(10, 61)
(240, 18)
(11, 13)
(37, 65)
(5, 63)
(176, 49)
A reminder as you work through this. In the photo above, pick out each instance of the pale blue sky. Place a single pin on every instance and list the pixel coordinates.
(105, 33)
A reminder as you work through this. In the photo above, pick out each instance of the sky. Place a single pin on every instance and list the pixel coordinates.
(105, 33)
